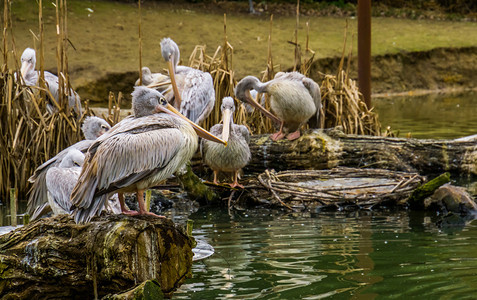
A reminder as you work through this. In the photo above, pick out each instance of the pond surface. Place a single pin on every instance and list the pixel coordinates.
(270, 255)
(434, 116)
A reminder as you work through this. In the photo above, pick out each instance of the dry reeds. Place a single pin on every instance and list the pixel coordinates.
(31, 135)
(343, 104)
(220, 66)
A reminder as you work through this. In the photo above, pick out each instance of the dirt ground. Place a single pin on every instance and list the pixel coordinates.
(104, 52)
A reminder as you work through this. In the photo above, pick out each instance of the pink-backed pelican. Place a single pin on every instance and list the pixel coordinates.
(137, 153)
(295, 99)
(92, 128)
(237, 153)
(193, 90)
(30, 77)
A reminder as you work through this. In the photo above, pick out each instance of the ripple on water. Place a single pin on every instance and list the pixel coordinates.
(264, 256)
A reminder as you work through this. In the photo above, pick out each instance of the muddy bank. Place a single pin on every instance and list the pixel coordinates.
(437, 69)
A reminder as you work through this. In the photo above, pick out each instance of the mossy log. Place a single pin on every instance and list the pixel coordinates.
(326, 149)
(56, 258)
(416, 200)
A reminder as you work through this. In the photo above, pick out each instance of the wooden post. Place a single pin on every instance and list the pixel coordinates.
(364, 50)
(13, 207)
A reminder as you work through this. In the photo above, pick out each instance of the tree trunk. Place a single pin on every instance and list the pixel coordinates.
(56, 258)
(330, 148)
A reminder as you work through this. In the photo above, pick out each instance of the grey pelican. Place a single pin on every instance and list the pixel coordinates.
(295, 99)
(237, 153)
(194, 94)
(61, 179)
(30, 76)
(137, 153)
(92, 128)
(154, 80)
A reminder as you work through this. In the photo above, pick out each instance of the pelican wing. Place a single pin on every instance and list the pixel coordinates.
(243, 131)
(38, 193)
(60, 183)
(315, 92)
(197, 93)
(129, 153)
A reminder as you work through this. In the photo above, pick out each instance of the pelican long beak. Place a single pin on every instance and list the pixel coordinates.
(199, 130)
(170, 65)
(257, 105)
(226, 126)
(26, 68)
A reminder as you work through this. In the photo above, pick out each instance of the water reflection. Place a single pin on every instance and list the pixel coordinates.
(271, 255)
(432, 116)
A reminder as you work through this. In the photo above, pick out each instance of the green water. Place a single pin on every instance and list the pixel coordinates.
(262, 254)
(432, 116)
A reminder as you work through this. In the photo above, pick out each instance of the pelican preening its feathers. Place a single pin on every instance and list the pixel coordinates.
(193, 92)
(30, 77)
(295, 99)
(137, 153)
(237, 154)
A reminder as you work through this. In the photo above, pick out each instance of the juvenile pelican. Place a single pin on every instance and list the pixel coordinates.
(194, 93)
(154, 80)
(237, 153)
(294, 99)
(137, 153)
(61, 179)
(92, 128)
(30, 76)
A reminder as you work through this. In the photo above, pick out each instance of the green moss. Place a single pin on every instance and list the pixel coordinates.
(416, 200)
(196, 189)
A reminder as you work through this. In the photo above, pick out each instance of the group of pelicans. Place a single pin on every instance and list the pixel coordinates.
(160, 136)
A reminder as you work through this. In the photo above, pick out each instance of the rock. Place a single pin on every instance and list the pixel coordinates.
(452, 198)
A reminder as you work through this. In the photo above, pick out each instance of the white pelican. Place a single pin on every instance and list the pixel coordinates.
(194, 93)
(137, 153)
(237, 153)
(294, 99)
(92, 128)
(61, 179)
(30, 76)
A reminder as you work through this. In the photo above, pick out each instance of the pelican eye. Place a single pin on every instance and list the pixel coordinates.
(77, 164)
(163, 101)
(104, 127)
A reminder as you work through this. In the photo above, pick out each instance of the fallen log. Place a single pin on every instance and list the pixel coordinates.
(57, 258)
(325, 149)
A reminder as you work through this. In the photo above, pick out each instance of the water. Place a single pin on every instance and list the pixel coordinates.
(431, 116)
(262, 254)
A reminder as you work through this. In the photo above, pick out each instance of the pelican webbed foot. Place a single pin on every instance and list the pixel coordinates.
(277, 136)
(294, 135)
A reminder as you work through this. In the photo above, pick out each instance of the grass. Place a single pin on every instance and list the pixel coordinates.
(106, 39)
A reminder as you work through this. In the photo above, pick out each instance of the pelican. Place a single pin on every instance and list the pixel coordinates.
(30, 76)
(237, 153)
(151, 80)
(137, 153)
(194, 94)
(92, 128)
(294, 99)
(61, 179)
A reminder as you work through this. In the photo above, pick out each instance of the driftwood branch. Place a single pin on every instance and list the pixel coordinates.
(56, 258)
(330, 148)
